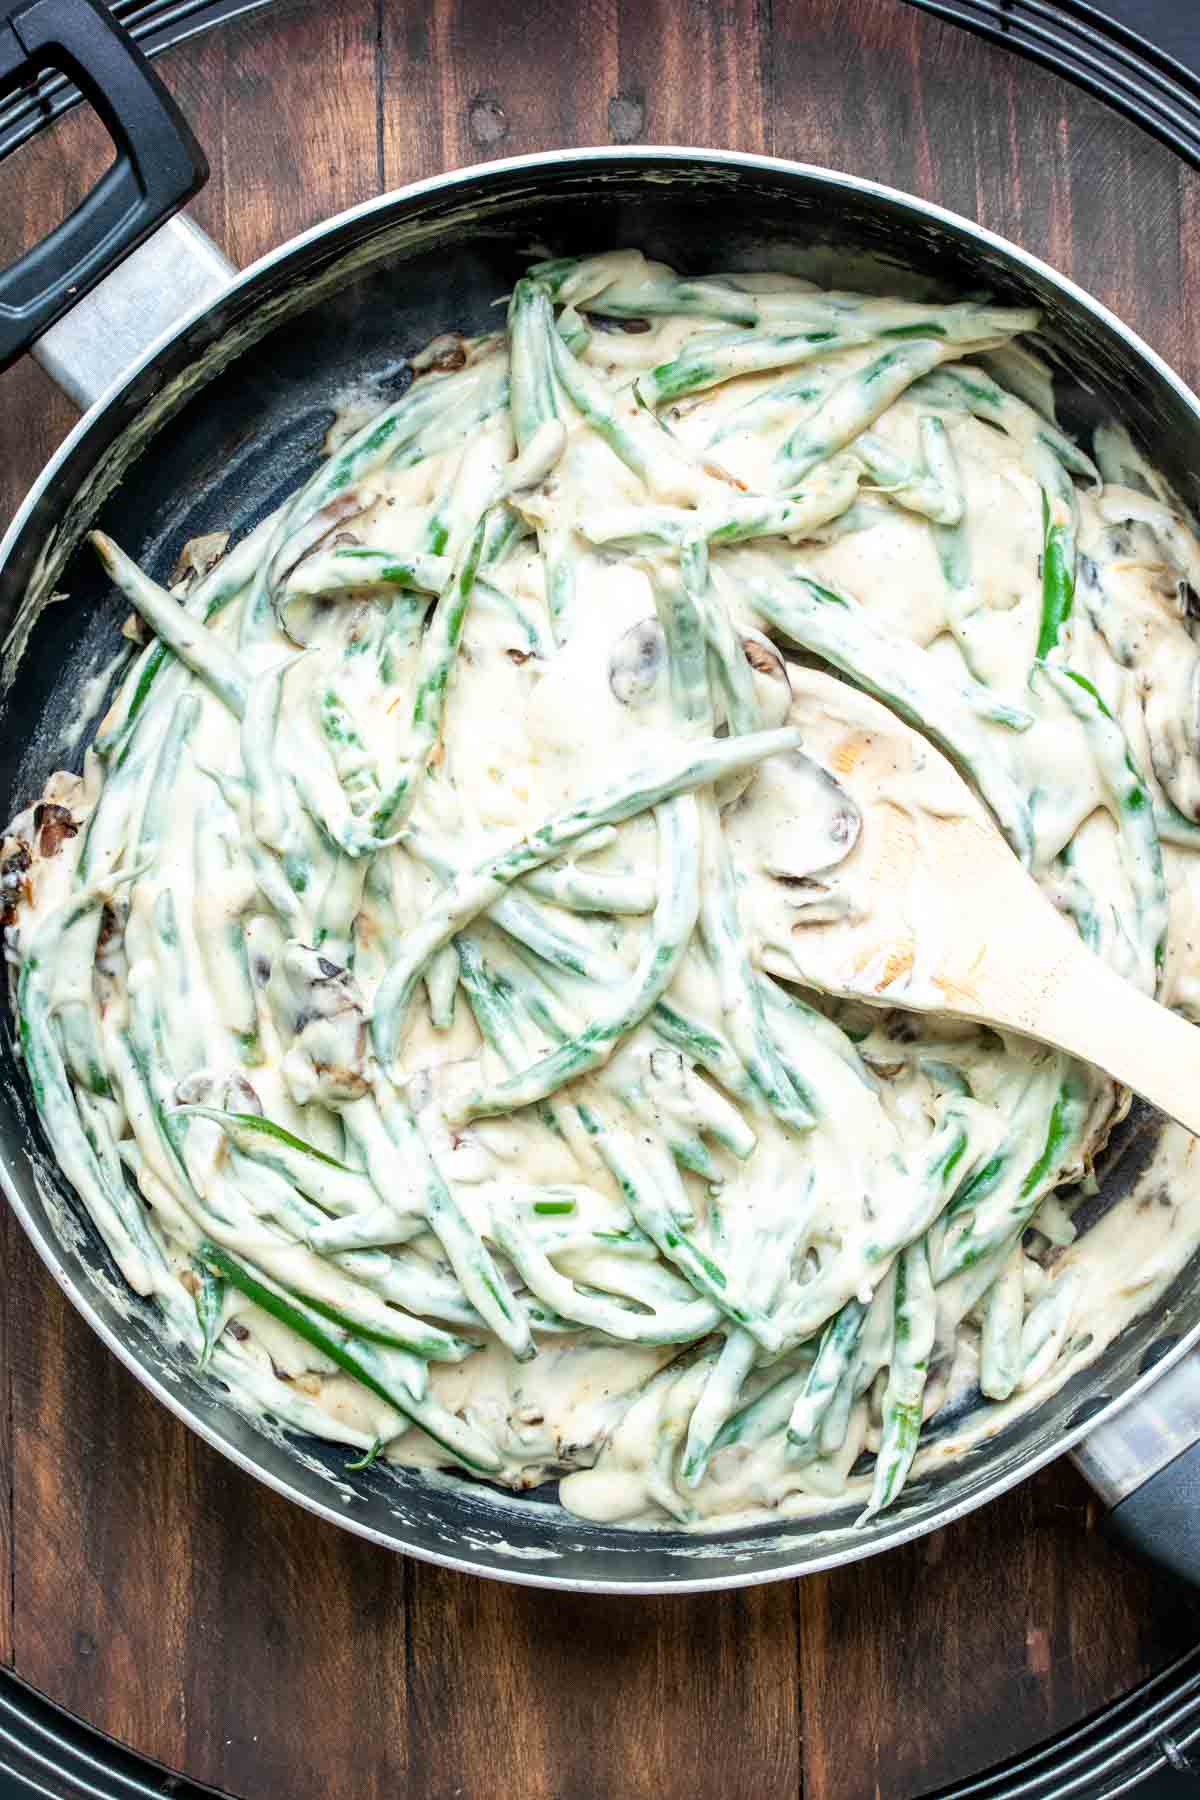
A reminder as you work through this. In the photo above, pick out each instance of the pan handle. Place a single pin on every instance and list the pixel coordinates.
(1145, 1467)
(158, 166)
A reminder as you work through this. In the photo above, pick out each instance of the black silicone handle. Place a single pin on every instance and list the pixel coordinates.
(1161, 1519)
(159, 165)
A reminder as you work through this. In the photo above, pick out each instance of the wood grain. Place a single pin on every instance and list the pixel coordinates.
(947, 1655)
(676, 1683)
(154, 1588)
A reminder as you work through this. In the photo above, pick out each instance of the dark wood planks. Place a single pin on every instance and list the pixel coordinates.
(881, 91)
(944, 1657)
(693, 1696)
(285, 106)
(469, 83)
(170, 1599)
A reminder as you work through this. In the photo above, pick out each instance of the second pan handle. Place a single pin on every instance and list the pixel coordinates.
(158, 165)
(1145, 1466)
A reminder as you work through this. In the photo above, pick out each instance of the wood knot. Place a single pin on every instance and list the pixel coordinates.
(626, 117)
(487, 120)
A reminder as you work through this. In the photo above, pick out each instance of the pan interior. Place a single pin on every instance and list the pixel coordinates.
(257, 388)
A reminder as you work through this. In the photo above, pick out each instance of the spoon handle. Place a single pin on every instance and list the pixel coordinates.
(1077, 1003)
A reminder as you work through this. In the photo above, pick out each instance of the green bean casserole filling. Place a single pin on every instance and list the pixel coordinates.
(411, 984)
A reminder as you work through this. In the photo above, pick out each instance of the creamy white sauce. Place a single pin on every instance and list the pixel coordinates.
(242, 953)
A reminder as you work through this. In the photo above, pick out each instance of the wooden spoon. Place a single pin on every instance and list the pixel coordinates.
(931, 910)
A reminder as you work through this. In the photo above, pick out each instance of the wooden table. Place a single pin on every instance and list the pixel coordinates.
(152, 1588)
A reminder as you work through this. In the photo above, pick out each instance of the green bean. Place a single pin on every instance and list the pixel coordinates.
(854, 405)
(362, 1361)
(903, 1400)
(741, 997)
(646, 1184)
(705, 362)
(591, 891)
(828, 623)
(195, 646)
(334, 1186)
(366, 571)
(1000, 1344)
(181, 999)
(772, 1262)
(530, 930)
(352, 761)
(487, 593)
(210, 1308)
(941, 467)
(359, 1315)
(1058, 558)
(210, 595)
(439, 651)
(962, 387)
(670, 1116)
(678, 771)
(265, 784)
(441, 982)
(679, 1324)
(455, 424)
(160, 795)
(769, 1411)
(1045, 1328)
(623, 284)
(76, 1011)
(998, 1199)
(1133, 813)
(364, 1231)
(415, 1288)
(678, 1407)
(481, 1281)
(838, 1343)
(776, 404)
(678, 882)
(117, 1213)
(947, 1154)
(717, 1402)
(535, 397)
(933, 491)
(794, 1019)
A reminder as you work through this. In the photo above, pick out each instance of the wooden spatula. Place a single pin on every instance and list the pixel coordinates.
(931, 910)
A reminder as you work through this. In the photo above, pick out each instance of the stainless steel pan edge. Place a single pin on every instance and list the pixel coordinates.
(522, 1541)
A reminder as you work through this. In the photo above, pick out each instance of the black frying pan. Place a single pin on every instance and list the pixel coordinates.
(213, 425)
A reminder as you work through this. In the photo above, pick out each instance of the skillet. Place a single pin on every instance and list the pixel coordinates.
(208, 397)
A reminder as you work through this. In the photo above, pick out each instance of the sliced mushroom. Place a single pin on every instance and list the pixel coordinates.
(53, 825)
(631, 327)
(773, 685)
(793, 829)
(823, 822)
(198, 556)
(442, 355)
(211, 1087)
(318, 1006)
(295, 616)
(638, 663)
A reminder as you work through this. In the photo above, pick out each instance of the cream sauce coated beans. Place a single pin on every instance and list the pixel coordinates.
(411, 983)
